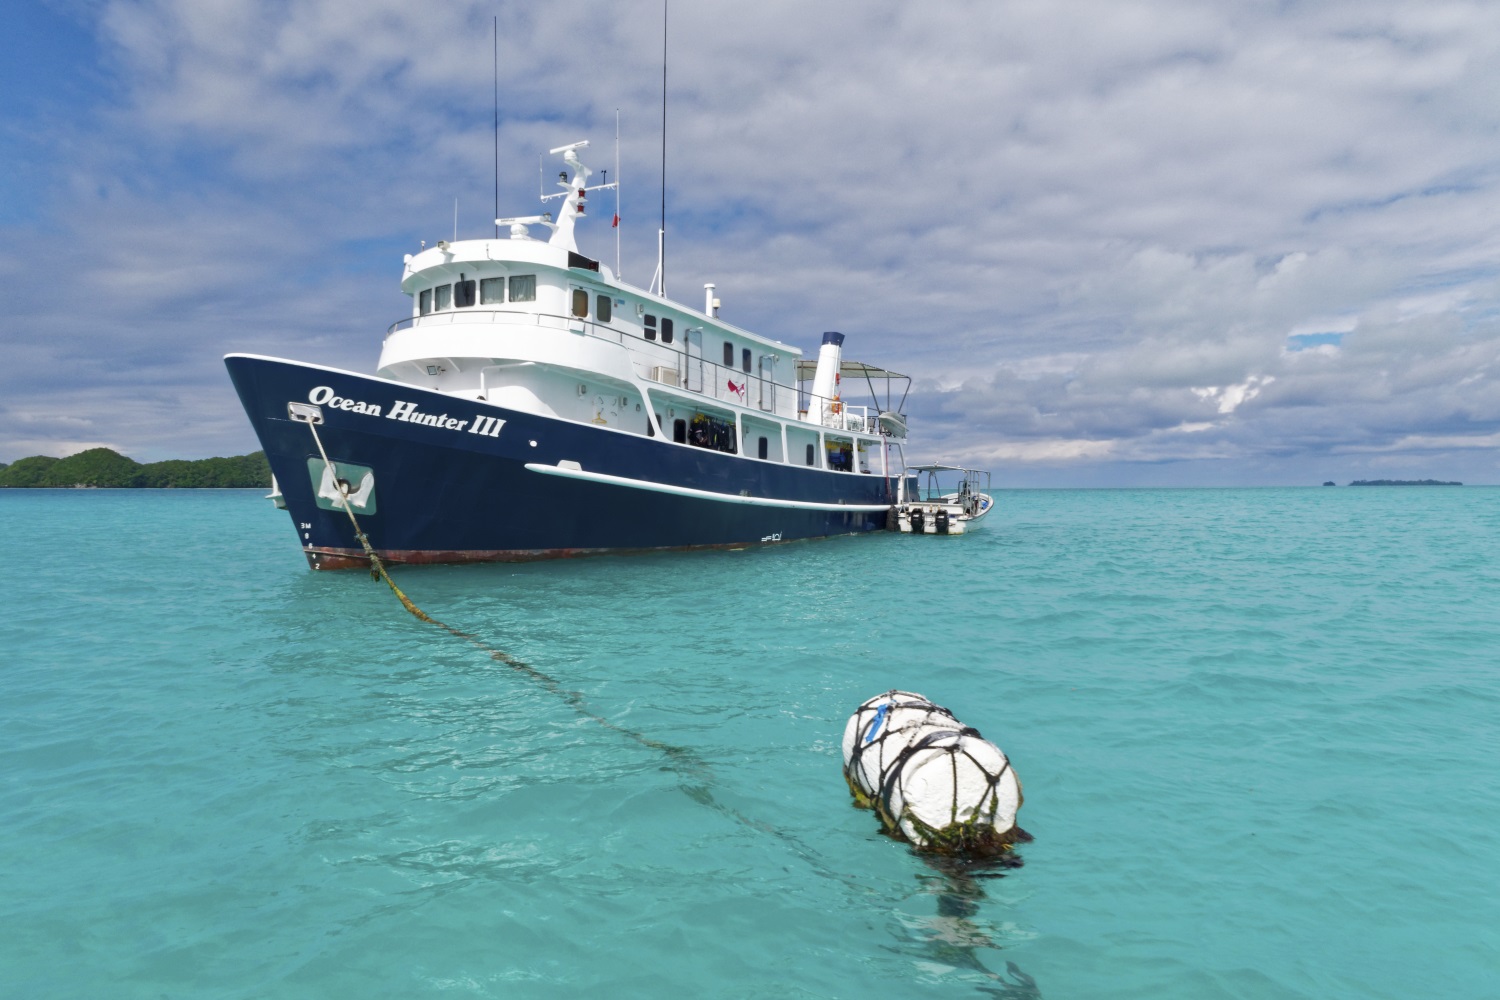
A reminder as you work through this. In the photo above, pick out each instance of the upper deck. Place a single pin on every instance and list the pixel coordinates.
(538, 326)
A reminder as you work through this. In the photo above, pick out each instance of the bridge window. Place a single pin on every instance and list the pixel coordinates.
(603, 309)
(491, 291)
(650, 327)
(666, 330)
(463, 292)
(523, 288)
(679, 431)
(809, 454)
(764, 448)
(580, 302)
(745, 359)
(424, 302)
(442, 298)
(728, 354)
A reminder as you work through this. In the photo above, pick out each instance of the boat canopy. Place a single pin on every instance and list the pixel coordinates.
(808, 367)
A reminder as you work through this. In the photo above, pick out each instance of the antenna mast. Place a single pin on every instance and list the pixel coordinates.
(497, 124)
(617, 194)
(660, 281)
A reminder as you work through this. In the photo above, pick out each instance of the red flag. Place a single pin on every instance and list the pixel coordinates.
(616, 222)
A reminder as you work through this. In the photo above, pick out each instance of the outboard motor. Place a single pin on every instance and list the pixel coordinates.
(940, 520)
(917, 527)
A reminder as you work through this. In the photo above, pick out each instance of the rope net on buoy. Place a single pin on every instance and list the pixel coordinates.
(931, 780)
(879, 731)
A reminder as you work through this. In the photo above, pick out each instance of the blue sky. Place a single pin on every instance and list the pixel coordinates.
(1117, 243)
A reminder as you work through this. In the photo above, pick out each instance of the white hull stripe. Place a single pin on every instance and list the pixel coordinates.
(685, 491)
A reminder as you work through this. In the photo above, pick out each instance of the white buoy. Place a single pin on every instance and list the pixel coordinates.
(878, 733)
(953, 793)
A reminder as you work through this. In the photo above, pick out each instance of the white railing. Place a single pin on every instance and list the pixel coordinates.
(692, 373)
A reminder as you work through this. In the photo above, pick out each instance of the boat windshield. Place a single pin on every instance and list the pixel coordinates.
(928, 483)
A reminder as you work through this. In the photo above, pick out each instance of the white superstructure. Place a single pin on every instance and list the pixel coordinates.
(534, 325)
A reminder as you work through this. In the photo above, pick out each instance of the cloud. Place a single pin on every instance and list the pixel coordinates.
(1108, 236)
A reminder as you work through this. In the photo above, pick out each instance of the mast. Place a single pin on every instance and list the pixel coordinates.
(659, 282)
(497, 124)
(617, 192)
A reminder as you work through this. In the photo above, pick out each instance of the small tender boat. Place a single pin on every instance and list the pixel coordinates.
(942, 499)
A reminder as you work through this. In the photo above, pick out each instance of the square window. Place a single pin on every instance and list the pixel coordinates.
(444, 297)
(580, 303)
(491, 291)
(523, 288)
(424, 302)
(463, 292)
(603, 309)
(650, 327)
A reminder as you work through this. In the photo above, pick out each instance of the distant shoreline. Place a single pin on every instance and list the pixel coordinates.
(1401, 482)
(107, 469)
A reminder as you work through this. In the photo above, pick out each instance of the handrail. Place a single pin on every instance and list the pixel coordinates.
(715, 387)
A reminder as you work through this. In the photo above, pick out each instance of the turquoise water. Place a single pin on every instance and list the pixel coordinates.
(1257, 730)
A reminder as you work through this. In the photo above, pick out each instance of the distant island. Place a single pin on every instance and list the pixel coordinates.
(1401, 482)
(104, 468)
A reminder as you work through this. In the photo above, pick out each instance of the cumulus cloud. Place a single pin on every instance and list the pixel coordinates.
(1113, 241)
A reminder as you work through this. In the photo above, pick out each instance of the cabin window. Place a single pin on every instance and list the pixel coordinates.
(463, 292)
(523, 288)
(728, 354)
(764, 449)
(840, 454)
(424, 302)
(679, 431)
(745, 360)
(666, 330)
(809, 454)
(491, 291)
(650, 327)
(443, 299)
(580, 303)
(603, 309)
(714, 433)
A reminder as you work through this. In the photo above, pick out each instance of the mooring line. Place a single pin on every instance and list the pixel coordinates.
(684, 761)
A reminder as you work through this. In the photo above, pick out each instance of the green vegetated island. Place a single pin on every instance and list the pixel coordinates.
(104, 468)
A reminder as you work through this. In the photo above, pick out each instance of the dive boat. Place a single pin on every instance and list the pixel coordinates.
(942, 500)
(533, 405)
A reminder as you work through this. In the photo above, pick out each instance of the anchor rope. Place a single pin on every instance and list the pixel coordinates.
(684, 761)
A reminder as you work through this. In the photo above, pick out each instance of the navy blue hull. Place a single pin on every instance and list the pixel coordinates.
(444, 493)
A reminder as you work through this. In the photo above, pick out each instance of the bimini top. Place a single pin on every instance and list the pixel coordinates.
(807, 368)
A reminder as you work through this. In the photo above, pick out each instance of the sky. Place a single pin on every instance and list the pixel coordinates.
(1114, 242)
